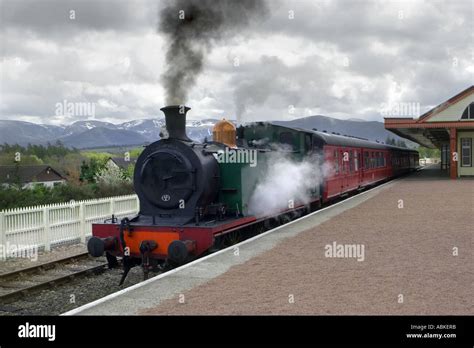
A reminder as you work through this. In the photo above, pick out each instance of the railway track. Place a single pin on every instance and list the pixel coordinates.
(19, 283)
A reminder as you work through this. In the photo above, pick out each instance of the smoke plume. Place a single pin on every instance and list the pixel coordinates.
(192, 27)
(284, 181)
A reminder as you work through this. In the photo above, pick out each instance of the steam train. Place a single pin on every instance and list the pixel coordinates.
(192, 193)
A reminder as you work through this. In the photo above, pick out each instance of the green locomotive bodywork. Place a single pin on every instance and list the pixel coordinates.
(239, 180)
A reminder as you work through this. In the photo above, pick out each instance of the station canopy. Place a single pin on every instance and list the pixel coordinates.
(432, 129)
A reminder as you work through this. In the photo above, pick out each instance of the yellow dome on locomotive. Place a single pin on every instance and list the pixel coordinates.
(225, 132)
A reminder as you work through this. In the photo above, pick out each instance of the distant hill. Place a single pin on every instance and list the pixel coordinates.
(99, 136)
(92, 133)
(19, 132)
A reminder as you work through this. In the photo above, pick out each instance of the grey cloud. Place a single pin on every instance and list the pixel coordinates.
(52, 17)
(58, 54)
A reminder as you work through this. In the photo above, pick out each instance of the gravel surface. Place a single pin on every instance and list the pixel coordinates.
(60, 252)
(68, 296)
(408, 268)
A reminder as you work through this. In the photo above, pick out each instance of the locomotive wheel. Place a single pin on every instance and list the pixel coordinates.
(285, 218)
(233, 238)
(271, 223)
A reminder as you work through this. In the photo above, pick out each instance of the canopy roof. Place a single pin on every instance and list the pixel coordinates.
(432, 128)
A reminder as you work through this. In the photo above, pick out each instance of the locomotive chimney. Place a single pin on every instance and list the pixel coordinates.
(175, 116)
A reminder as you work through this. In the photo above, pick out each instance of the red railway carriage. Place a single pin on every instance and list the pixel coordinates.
(352, 163)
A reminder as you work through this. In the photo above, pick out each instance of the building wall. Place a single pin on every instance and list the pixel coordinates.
(453, 112)
(43, 183)
(465, 170)
(111, 164)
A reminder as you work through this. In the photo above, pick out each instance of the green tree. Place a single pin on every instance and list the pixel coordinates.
(90, 170)
(111, 175)
(134, 153)
(128, 173)
(429, 153)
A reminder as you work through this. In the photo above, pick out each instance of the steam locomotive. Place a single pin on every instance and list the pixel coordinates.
(192, 193)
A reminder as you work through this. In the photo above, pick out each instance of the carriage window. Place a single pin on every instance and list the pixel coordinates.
(317, 143)
(466, 152)
(286, 138)
(307, 142)
(336, 162)
(343, 162)
(366, 160)
(351, 161)
(356, 161)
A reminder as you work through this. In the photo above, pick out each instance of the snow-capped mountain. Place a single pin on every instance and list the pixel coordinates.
(82, 126)
(91, 133)
(19, 132)
(148, 128)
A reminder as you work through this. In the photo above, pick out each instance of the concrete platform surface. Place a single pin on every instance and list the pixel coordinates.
(402, 248)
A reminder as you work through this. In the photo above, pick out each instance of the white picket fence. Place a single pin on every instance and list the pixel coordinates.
(50, 225)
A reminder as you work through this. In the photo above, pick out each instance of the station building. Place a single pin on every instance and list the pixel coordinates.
(448, 127)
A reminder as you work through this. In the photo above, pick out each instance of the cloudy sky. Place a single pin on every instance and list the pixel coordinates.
(345, 59)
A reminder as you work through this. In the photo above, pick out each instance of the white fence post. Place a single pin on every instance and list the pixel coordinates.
(82, 222)
(3, 237)
(47, 229)
(112, 206)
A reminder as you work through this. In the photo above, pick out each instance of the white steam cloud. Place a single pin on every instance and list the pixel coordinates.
(285, 181)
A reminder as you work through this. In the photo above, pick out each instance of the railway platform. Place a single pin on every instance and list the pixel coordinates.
(404, 247)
